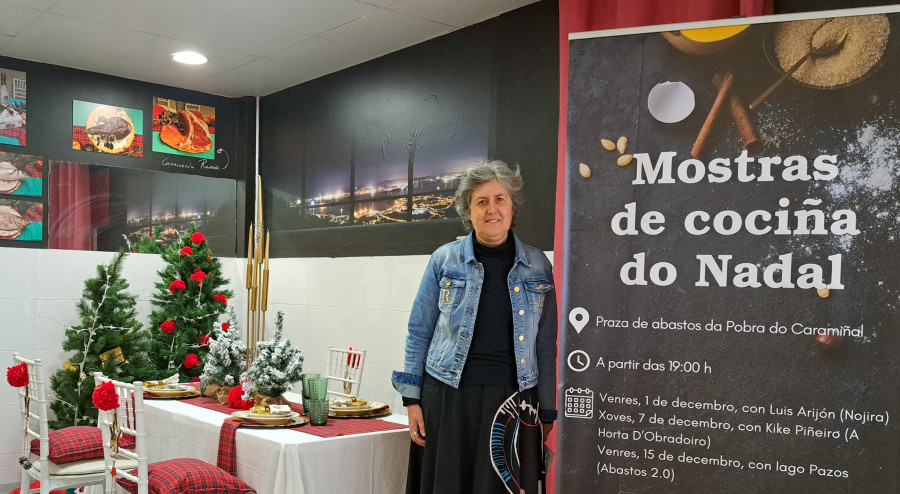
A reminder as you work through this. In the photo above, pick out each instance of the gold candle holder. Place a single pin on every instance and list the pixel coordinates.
(257, 279)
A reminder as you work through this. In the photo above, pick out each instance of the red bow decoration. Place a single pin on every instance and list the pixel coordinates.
(105, 397)
(17, 375)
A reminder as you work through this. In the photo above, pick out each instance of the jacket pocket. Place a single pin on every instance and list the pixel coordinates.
(535, 291)
(450, 293)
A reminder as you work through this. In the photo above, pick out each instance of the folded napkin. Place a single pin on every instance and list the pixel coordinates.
(163, 383)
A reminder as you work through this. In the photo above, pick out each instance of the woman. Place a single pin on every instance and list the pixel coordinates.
(479, 378)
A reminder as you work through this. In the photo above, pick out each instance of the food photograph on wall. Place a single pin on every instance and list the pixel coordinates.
(108, 129)
(12, 107)
(21, 174)
(185, 129)
(731, 270)
(21, 219)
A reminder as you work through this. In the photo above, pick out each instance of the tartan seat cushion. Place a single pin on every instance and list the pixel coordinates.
(187, 476)
(76, 443)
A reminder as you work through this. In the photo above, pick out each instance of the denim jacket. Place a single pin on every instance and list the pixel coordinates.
(443, 317)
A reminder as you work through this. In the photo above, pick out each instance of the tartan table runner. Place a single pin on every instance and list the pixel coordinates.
(228, 447)
(335, 427)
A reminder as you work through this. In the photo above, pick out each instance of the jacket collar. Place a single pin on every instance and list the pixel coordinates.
(467, 252)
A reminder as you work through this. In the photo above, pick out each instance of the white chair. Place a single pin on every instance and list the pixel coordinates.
(345, 367)
(52, 476)
(176, 475)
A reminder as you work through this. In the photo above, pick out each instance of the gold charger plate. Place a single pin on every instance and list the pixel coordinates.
(371, 405)
(192, 393)
(381, 411)
(170, 390)
(294, 422)
(265, 419)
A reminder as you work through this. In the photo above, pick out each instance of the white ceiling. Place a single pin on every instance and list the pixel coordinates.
(255, 47)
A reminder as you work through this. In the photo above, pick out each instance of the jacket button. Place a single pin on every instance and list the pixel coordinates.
(447, 283)
(516, 289)
(540, 286)
(522, 361)
(521, 312)
(521, 337)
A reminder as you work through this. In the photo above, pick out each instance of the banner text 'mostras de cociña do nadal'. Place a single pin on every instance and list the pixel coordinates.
(718, 270)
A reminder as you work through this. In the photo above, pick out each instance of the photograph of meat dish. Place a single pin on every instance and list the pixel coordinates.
(185, 129)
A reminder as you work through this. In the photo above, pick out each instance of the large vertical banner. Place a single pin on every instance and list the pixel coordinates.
(730, 310)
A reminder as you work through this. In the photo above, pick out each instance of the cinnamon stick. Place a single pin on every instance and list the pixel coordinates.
(739, 115)
(713, 113)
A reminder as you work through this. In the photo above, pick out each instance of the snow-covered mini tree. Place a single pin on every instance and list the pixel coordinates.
(226, 358)
(277, 366)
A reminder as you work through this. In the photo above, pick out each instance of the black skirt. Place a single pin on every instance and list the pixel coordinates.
(479, 439)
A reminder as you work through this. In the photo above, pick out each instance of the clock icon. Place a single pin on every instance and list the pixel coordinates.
(579, 360)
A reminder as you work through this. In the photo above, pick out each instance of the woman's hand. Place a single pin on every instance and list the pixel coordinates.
(546, 427)
(417, 425)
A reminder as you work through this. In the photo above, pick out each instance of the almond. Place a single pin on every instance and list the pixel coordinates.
(622, 144)
(584, 170)
(823, 292)
(608, 145)
(624, 159)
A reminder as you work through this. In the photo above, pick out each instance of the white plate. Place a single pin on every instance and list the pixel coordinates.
(356, 408)
(170, 390)
(265, 419)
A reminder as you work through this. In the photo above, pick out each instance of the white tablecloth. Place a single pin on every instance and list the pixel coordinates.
(282, 461)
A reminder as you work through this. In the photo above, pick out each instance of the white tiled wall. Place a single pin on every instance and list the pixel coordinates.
(363, 302)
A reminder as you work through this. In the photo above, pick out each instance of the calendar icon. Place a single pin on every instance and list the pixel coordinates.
(579, 403)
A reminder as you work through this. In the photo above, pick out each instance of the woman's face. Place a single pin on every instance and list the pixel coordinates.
(491, 213)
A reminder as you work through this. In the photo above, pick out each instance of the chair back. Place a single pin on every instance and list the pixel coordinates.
(344, 367)
(128, 418)
(34, 425)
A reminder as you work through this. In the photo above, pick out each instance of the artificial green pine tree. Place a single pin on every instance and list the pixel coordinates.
(276, 367)
(108, 338)
(149, 244)
(189, 298)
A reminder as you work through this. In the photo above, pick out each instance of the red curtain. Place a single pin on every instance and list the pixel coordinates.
(79, 204)
(594, 15)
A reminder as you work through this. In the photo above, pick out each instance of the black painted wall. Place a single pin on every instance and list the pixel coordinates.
(51, 90)
(520, 52)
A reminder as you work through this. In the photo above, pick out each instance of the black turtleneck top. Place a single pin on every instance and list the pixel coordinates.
(491, 358)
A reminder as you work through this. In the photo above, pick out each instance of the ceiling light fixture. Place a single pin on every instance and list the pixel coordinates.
(189, 57)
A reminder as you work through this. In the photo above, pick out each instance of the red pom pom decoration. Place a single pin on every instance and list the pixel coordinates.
(177, 285)
(225, 326)
(220, 298)
(186, 251)
(17, 375)
(235, 399)
(191, 361)
(198, 238)
(167, 327)
(198, 276)
(204, 339)
(105, 397)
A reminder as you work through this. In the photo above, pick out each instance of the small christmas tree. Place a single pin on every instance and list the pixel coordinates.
(189, 299)
(277, 366)
(227, 356)
(107, 339)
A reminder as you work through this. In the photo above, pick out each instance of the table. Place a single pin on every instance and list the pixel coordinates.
(283, 461)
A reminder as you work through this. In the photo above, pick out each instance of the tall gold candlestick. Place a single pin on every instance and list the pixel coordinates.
(265, 288)
(249, 286)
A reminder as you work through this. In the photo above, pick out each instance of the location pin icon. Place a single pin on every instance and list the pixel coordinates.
(579, 318)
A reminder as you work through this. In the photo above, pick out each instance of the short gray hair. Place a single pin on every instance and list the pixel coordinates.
(479, 174)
